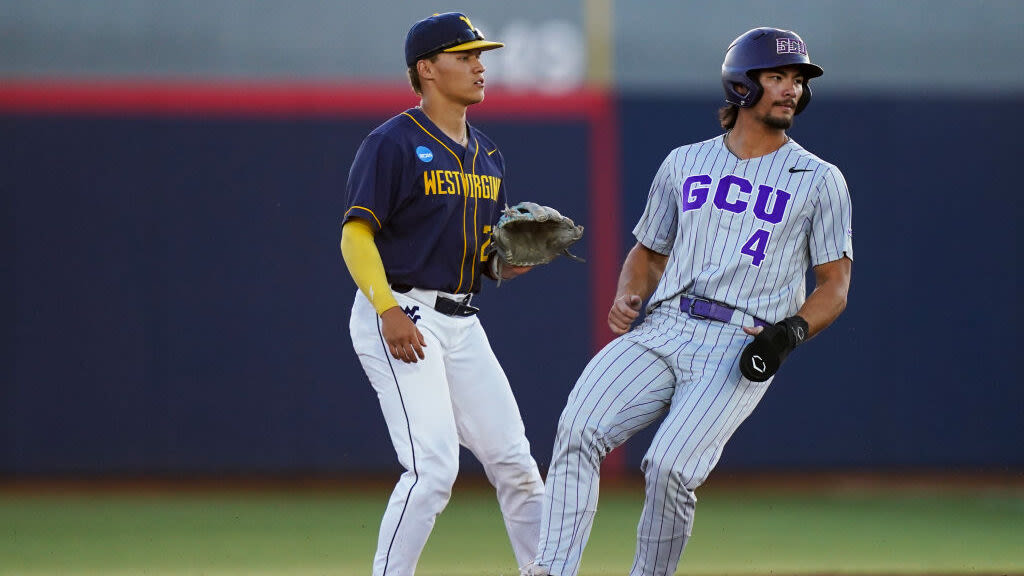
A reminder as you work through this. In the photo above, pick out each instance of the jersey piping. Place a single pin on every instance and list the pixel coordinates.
(377, 220)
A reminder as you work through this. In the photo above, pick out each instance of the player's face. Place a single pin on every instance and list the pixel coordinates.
(459, 76)
(782, 90)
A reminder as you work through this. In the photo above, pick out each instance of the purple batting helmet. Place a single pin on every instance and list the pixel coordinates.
(759, 49)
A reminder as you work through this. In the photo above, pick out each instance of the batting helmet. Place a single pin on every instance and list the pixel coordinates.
(759, 49)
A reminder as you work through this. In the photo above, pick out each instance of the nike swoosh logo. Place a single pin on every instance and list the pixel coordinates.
(492, 151)
(794, 170)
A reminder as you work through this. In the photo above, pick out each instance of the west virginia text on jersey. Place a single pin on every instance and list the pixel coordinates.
(451, 182)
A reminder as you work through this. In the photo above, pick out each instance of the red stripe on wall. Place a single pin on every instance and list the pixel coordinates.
(311, 99)
(186, 98)
(605, 239)
(226, 98)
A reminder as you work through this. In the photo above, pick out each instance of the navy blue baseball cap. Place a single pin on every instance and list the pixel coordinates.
(448, 32)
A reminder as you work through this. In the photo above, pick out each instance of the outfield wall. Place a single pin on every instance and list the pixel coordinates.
(178, 305)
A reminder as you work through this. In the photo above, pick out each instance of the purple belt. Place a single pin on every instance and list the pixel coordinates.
(709, 309)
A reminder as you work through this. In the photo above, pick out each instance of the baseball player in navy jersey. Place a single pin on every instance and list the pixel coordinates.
(730, 228)
(423, 192)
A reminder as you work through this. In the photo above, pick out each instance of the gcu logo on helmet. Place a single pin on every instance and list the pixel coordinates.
(790, 46)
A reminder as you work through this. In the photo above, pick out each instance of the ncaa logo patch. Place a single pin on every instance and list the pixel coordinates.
(424, 153)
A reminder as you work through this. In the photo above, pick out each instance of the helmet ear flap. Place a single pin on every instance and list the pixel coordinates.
(732, 96)
(805, 98)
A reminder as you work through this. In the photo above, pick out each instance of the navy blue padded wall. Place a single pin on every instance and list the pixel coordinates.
(177, 301)
(181, 304)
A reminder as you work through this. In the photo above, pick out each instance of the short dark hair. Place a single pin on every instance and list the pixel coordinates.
(414, 75)
(727, 116)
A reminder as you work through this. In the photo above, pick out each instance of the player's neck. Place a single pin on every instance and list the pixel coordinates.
(753, 139)
(449, 117)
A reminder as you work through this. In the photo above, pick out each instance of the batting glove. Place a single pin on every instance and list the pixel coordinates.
(762, 358)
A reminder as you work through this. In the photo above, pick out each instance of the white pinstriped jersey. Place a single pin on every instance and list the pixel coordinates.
(744, 232)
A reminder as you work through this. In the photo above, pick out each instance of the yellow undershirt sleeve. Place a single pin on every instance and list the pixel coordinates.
(364, 264)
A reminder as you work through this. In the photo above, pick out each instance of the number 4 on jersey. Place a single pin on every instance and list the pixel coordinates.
(755, 246)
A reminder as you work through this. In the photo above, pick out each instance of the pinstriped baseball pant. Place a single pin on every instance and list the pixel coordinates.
(675, 366)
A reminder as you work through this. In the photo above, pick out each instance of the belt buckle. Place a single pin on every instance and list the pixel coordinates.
(464, 308)
(694, 300)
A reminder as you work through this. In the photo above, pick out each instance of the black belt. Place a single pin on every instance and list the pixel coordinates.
(445, 305)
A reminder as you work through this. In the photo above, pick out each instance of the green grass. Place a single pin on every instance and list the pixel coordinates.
(217, 533)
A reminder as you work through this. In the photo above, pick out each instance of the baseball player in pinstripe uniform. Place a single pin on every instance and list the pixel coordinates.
(730, 228)
(423, 192)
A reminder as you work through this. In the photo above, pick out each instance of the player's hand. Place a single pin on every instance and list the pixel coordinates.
(624, 311)
(404, 340)
(509, 271)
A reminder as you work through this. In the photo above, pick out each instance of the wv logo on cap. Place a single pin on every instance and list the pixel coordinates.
(424, 154)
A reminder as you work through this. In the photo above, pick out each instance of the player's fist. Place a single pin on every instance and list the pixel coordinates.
(762, 358)
(624, 311)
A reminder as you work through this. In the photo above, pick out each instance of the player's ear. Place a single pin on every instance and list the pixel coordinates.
(425, 68)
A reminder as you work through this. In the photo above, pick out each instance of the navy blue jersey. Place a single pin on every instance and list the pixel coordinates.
(431, 201)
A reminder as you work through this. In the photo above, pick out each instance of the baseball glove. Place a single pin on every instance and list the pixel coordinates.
(529, 234)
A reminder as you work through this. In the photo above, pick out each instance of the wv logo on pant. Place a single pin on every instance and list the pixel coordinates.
(411, 312)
